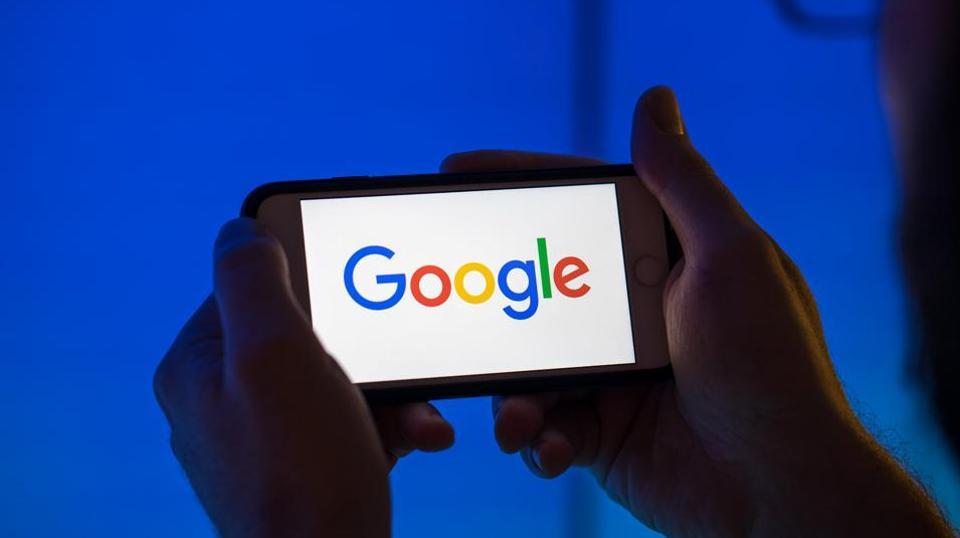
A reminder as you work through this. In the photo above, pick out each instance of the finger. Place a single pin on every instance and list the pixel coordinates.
(193, 358)
(702, 210)
(500, 160)
(415, 426)
(252, 288)
(519, 419)
(551, 456)
(570, 436)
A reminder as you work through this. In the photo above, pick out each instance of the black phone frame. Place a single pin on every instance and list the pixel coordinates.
(468, 388)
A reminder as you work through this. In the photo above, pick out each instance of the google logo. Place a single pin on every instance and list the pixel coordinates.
(564, 272)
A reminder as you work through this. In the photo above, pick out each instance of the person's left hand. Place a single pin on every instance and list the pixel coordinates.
(272, 435)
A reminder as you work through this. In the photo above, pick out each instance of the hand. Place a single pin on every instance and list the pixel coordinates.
(753, 436)
(273, 437)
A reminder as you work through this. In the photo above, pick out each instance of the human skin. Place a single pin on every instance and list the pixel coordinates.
(273, 437)
(753, 435)
(918, 44)
(920, 64)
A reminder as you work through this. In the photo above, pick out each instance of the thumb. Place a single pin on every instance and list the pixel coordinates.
(252, 287)
(700, 207)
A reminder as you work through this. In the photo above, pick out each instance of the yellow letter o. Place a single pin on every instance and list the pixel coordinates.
(488, 285)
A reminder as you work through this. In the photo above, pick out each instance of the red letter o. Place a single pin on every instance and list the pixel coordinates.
(444, 285)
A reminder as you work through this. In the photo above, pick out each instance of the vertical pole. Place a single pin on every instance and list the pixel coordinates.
(589, 55)
(589, 72)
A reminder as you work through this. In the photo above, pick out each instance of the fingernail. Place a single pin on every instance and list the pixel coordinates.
(535, 458)
(496, 403)
(662, 108)
(236, 232)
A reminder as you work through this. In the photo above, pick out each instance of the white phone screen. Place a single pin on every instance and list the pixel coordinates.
(419, 286)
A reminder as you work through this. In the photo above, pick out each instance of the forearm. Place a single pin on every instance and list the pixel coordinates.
(847, 485)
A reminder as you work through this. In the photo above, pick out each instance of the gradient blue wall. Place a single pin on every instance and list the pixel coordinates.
(132, 130)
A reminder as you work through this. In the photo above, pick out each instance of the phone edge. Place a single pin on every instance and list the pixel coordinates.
(466, 389)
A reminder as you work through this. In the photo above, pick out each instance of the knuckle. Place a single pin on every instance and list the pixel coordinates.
(261, 355)
(740, 248)
(756, 246)
(454, 162)
(178, 450)
(684, 161)
(163, 379)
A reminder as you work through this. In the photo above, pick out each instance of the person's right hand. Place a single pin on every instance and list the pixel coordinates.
(753, 435)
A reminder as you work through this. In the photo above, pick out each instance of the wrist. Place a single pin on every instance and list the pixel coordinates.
(311, 511)
(838, 481)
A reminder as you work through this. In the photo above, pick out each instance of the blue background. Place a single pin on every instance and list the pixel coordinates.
(132, 130)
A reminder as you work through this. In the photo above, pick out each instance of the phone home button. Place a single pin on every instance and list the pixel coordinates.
(649, 271)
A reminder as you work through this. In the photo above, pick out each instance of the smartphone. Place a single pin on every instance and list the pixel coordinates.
(448, 285)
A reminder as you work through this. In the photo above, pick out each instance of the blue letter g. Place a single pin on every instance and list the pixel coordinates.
(397, 279)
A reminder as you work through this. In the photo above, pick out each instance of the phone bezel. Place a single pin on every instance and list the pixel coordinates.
(290, 234)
